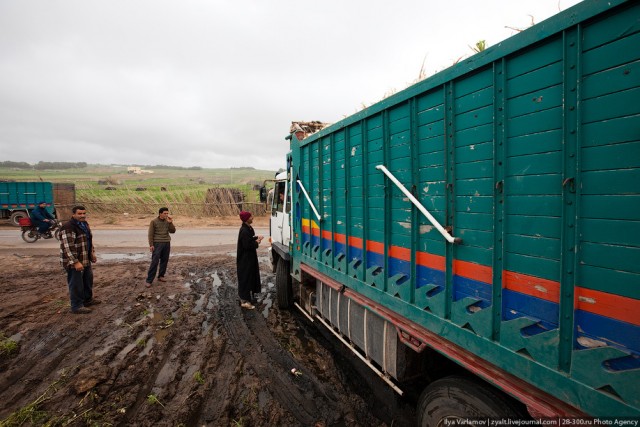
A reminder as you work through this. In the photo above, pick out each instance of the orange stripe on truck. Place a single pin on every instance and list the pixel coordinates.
(608, 305)
(470, 270)
(545, 289)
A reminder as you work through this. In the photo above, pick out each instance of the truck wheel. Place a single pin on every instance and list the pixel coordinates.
(16, 216)
(284, 291)
(458, 398)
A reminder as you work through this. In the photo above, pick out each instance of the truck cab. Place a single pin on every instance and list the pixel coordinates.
(279, 209)
(278, 199)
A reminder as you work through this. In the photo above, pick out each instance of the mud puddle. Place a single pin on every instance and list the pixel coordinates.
(179, 353)
(135, 256)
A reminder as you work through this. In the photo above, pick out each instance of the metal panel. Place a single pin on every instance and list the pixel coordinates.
(357, 325)
(375, 338)
(530, 151)
(343, 315)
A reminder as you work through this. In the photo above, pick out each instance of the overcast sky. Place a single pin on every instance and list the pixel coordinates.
(216, 83)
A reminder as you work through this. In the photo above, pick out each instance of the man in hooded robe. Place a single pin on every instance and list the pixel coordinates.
(247, 261)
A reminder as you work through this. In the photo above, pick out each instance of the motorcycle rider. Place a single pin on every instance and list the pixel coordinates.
(43, 219)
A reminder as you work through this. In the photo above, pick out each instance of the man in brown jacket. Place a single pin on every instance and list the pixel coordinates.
(159, 245)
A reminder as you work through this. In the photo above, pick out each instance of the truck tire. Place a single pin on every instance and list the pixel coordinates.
(284, 291)
(457, 398)
(16, 216)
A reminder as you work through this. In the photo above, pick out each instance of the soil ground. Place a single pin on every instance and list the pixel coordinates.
(179, 353)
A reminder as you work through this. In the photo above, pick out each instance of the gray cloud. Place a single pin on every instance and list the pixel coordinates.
(215, 83)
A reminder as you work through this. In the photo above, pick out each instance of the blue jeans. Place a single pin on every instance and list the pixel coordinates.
(80, 286)
(159, 256)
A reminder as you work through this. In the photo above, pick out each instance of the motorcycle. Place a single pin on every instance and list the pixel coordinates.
(31, 234)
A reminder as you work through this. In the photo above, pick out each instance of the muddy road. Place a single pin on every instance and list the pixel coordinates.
(180, 353)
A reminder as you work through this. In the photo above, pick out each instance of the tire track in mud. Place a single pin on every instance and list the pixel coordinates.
(47, 353)
(169, 375)
(246, 370)
(215, 404)
(233, 387)
(303, 397)
(106, 364)
(193, 346)
(216, 407)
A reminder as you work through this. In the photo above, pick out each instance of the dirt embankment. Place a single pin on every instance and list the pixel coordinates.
(180, 353)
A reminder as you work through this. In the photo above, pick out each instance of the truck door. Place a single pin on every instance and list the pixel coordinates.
(281, 205)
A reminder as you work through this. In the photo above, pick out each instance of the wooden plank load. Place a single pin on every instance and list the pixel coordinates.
(64, 198)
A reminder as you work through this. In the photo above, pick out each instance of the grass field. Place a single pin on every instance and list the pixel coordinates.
(111, 190)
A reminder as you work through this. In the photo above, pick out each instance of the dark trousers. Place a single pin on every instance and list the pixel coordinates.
(244, 293)
(160, 256)
(80, 286)
(43, 226)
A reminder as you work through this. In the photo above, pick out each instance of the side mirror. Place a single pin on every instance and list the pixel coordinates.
(263, 194)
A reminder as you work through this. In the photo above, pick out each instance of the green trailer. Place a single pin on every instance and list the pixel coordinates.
(18, 199)
(478, 233)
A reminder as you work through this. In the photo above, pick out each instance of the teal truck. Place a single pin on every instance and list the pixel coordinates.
(476, 237)
(18, 199)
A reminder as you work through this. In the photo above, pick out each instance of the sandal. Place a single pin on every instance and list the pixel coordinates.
(247, 305)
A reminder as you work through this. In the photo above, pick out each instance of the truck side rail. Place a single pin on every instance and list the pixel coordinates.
(304, 191)
(421, 208)
(539, 402)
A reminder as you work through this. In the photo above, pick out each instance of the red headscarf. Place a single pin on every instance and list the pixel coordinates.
(244, 216)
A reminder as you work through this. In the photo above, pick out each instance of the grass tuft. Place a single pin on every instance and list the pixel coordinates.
(153, 399)
(198, 377)
(8, 347)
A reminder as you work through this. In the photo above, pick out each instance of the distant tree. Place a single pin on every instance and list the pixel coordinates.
(15, 165)
(170, 167)
(59, 165)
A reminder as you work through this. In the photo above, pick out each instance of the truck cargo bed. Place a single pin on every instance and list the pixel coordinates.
(529, 155)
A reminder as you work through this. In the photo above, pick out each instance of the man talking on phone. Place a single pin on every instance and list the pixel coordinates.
(159, 245)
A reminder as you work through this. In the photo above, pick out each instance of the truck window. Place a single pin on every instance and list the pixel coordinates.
(279, 199)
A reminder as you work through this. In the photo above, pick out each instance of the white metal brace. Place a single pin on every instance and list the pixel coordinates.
(418, 205)
(304, 190)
